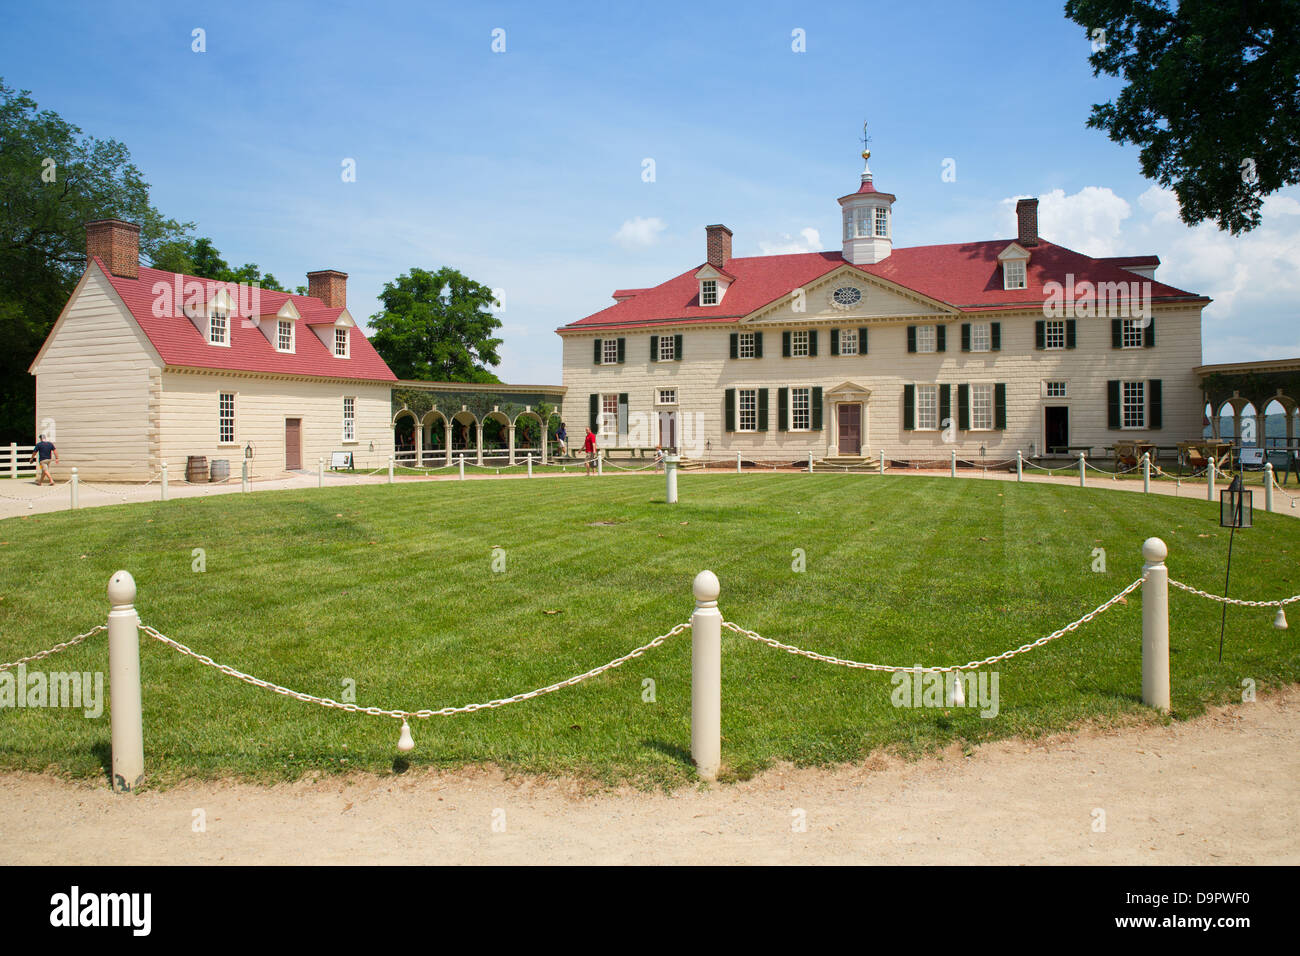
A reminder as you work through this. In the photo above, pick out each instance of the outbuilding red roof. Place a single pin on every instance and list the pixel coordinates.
(179, 342)
(966, 276)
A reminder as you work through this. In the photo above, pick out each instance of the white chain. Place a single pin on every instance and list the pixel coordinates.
(404, 714)
(1227, 600)
(813, 655)
(56, 648)
(40, 494)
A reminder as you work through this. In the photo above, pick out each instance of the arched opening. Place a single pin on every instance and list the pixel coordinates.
(496, 436)
(555, 444)
(404, 428)
(528, 436)
(434, 446)
(464, 435)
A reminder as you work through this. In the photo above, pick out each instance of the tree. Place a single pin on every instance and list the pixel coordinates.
(1212, 97)
(200, 258)
(53, 180)
(437, 326)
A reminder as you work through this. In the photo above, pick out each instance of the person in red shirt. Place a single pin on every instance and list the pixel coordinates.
(589, 447)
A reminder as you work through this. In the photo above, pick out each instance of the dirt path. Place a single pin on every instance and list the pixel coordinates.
(1223, 789)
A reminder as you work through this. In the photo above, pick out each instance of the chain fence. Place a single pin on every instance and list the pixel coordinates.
(1237, 601)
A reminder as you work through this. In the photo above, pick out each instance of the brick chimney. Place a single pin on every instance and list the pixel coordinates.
(1027, 222)
(330, 286)
(117, 244)
(718, 245)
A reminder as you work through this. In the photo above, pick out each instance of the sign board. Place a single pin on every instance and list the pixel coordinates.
(340, 459)
(1251, 458)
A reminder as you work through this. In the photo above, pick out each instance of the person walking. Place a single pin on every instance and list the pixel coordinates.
(44, 450)
(562, 436)
(589, 447)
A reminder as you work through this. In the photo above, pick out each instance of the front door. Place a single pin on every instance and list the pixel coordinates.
(850, 417)
(1056, 429)
(293, 444)
(668, 429)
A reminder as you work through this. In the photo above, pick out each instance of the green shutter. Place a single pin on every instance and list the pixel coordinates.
(621, 344)
(730, 421)
(1000, 406)
(1040, 335)
(1155, 412)
(862, 341)
(1071, 333)
(1112, 404)
(965, 336)
(812, 342)
(677, 348)
(911, 338)
(762, 409)
(596, 360)
(1116, 336)
(817, 408)
(758, 345)
(995, 336)
(835, 341)
(940, 337)
(593, 418)
(945, 405)
(785, 345)
(963, 408)
(654, 348)
(1149, 340)
(909, 407)
(782, 409)
(735, 345)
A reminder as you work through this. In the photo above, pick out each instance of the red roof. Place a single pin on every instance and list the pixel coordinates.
(180, 344)
(966, 276)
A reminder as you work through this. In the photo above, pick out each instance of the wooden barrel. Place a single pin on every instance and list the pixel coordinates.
(220, 469)
(196, 468)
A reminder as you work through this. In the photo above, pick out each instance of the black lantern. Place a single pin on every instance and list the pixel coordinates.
(248, 451)
(1234, 505)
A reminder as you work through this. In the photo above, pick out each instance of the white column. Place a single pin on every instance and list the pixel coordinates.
(75, 482)
(1146, 472)
(510, 443)
(478, 430)
(530, 466)
(1210, 469)
(670, 477)
(810, 464)
(1155, 626)
(461, 461)
(162, 484)
(1268, 485)
(1020, 466)
(1083, 470)
(320, 472)
(882, 461)
(706, 676)
(952, 463)
(737, 462)
(125, 710)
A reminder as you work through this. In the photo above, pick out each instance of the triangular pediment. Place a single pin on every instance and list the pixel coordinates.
(1013, 251)
(851, 295)
(848, 389)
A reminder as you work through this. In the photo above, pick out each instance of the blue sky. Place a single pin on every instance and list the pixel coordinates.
(523, 168)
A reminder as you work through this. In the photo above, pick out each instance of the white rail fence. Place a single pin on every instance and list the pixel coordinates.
(16, 461)
(706, 625)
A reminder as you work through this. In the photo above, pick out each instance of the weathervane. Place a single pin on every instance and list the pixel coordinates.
(866, 153)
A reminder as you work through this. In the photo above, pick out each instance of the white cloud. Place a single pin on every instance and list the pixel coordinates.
(1088, 221)
(810, 240)
(639, 232)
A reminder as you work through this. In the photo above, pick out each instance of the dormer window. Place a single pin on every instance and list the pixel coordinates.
(340, 343)
(708, 292)
(219, 326)
(284, 335)
(1013, 274)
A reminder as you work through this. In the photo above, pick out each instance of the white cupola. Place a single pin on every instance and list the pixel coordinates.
(868, 221)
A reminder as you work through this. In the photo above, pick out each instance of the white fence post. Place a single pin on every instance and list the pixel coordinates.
(706, 676)
(600, 462)
(810, 464)
(162, 483)
(125, 711)
(1020, 466)
(952, 463)
(320, 472)
(737, 462)
(882, 461)
(1209, 481)
(243, 475)
(1083, 468)
(13, 459)
(670, 477)
(75, 483)
(1155, 626)
(1146, 472)
(390, 469)
(530, 465)
(461, 460)
(1268, 486)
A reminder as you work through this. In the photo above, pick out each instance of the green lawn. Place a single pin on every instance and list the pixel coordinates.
(391, 586)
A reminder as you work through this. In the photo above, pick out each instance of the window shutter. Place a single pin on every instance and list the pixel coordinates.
(1116, 337)
(835, 341)
(817, 408)
(1040, 335)
(785, 345)
(812, 342)
(911, 338)
(965, 336)
(909, 407)
(677, 348)
(862, 341)
(762, 409)
(1071, 331)
(1112, 403)
(730, 420)
(758, 345)
(995, 336)
(593, 418)
(654, 348)
(963, 408)
(1154, 409)
(596, 360)
(621, 343)
(1149, 339)
(735, 345)
(945, 405)
(782, 409)
(622, 413)
(1000, 406)
(940, 337)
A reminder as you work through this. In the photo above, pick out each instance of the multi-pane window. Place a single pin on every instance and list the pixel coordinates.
(609, 414)
(1054, 334)
(745, 345)
(226, 418)
(1013, 272)
(800, 409)
(848, 225)
(927, 406)
(799, 343)
(981, 407)
(218, 326)
(709, 292)
(284, 336)
(667, 396)
(848, 341)
(925, 338)
(1132, 333)
(882, 221)
(1056, 390)
(979, 337)
(747, 410)
(349, 418)
(1134, 404)
(609, 350)
(341, 343)
(667, 348)
(864, 222)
